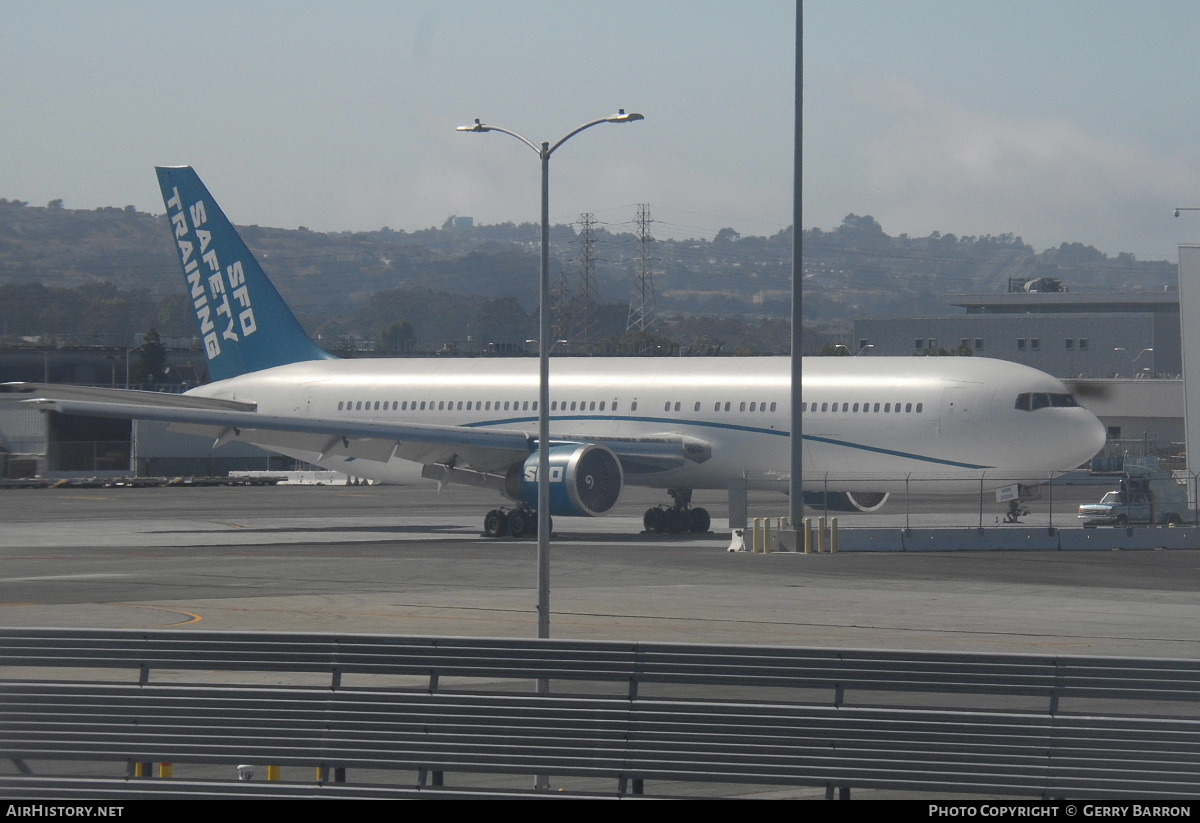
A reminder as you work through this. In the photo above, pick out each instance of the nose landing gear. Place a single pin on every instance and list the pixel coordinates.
(677, 519)
(1015, 512)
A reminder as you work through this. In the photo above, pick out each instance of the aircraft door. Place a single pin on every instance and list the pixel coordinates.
(956, 410)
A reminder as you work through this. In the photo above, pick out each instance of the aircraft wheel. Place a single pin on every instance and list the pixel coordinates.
(655, 520)
(518, 524)
(698, 521)
(495, 524)
(676, 521)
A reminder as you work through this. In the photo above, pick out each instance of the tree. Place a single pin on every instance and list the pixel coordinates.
(151, 363)
(397, 337)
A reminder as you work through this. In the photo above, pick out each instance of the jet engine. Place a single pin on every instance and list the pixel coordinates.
(585, 480)
(846, 501)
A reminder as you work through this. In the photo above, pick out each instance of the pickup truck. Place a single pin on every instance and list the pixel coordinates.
(1147, 496)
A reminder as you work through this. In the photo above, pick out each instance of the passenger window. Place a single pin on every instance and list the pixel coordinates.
(908, 407)
(920, 407)
(340, 403)
(772, 406)
(824, 407)
(717, 406)
(876, 407)
(742, 406)
(633, 406)
(676, 405)
(845, 407)
(727, 405)
(753, 406)
(856, 407)
(667, 406)
(602, 403)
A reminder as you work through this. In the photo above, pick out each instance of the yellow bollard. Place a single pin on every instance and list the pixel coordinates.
(766, 535)
(141, 769)
(820, 535)
(758, 535)
(273, 773)
(320, 774)
(808, 535)
(833, 535)
(166, 769)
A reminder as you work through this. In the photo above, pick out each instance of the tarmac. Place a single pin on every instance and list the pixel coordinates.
(408, 560)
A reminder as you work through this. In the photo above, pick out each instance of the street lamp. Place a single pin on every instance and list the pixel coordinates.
(1133, 360)
(543, 474)
(1139, 354)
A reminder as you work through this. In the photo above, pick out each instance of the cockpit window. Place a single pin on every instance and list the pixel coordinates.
(1032, 401)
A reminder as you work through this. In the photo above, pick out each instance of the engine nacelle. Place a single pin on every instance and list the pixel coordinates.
(585, 480)
(846, 501)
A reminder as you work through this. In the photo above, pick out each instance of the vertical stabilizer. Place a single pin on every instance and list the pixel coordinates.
(244, 324)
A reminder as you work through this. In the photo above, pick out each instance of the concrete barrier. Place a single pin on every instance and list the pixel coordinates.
(943, 540)
(871, 540)
(1039, 539)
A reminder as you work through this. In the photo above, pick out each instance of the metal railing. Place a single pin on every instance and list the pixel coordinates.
(621, 716)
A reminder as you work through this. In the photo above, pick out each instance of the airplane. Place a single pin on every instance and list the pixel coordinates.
(871, 425)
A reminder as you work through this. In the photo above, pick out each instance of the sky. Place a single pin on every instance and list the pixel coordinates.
(1055, 120)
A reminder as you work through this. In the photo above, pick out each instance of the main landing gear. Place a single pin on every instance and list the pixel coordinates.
(679, 518)
(519, 522)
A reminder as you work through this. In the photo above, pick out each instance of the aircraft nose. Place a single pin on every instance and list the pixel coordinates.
(1090, 437)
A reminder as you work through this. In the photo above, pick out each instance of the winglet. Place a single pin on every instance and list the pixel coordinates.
(243, 321)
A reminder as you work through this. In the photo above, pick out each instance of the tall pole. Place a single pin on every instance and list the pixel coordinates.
(545, 343)
(796, 496)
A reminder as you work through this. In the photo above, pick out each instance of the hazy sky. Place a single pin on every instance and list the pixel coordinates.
(1057, 120)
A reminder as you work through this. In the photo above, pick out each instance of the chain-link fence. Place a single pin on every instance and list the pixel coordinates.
(1148, 494)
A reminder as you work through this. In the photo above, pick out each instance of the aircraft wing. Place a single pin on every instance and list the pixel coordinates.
(481, 449)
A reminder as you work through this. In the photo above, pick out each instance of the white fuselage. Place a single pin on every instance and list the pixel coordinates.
(869, 423)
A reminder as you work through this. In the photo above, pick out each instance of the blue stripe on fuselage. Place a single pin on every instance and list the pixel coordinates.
(734, 427)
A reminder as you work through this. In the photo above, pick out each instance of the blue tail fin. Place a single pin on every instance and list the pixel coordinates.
(244, 323)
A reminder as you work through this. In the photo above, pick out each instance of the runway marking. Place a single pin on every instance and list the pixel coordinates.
(195, 617)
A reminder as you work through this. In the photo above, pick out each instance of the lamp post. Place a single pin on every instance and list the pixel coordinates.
(544, 151)
(1134, 359)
